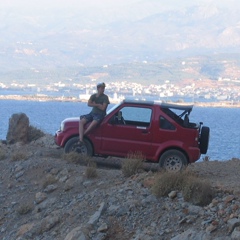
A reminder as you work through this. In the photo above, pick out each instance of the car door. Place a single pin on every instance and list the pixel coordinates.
(133, 134)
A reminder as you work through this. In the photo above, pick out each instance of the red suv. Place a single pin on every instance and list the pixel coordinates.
(162, 132)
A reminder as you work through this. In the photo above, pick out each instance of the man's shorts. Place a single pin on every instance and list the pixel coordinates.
(93, 116)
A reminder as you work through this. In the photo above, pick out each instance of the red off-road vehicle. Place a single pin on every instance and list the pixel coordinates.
(160, 131)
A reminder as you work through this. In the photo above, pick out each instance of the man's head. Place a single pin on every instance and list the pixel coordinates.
(101, 85)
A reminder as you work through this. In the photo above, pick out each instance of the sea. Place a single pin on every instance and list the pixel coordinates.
(224, 123)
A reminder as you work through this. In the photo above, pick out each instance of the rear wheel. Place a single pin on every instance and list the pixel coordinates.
(204, 139)
(73, 145)
(173, 160)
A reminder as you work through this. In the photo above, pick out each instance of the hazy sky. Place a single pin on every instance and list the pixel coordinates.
(105, 3)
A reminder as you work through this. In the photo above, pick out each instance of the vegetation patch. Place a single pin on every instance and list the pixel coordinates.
(74, 157)
(91, 170)
(198, 191)
(50, 179)
(116, 231)
(194, 189)
(2, 155)
(133, 163)
(18, 156)
(34, 133)
(25, 208)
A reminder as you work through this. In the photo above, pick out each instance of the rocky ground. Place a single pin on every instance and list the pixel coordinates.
(43, 196)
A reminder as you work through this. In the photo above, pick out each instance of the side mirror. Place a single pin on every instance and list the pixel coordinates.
(113, 120)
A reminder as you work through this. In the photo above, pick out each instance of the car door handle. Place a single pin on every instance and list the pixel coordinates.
(145, 131)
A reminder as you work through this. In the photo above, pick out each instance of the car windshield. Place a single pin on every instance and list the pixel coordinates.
(113, 108)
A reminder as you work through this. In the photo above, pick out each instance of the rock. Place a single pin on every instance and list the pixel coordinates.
(76, 234)
(39, 197)
(18, 128)
(103, 227)
(24, 228)
(191, 234)
(94, 218)
(232, 223)
(229, 198)
(236, 233)
(50, 188)
(49, 222)
(211, 228)
(172, 194)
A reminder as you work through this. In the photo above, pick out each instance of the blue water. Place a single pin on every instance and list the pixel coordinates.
(47, 116)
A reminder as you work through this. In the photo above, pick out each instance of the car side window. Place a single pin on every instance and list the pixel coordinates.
(137, 116)
(165, 124)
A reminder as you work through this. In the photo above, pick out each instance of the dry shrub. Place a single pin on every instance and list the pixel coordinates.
(91, 170)
(48, 180)
(19, 156)
(166, 182)
(74, 157)
(132, 164)
(206, 159)
(25, 208)
(2, 155)
(198, 192)
(34, 133)
(194, 189)
(116, 231)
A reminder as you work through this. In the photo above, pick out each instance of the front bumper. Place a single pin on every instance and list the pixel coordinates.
(58, 138)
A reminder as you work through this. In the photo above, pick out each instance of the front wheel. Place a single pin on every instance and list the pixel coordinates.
(73, 145)
(173, 160)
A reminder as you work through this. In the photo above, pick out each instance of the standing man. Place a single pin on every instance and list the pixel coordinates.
(99, 102)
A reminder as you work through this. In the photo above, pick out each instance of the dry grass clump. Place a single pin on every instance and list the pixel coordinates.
(25, 208)
(74, 157)
(50, 179)
(34, 133)
(165, 182)
(19, 156)
(198, 192)
(194, 189)
(2, 155)
(116, 231)
(91, 170)
(132, 164)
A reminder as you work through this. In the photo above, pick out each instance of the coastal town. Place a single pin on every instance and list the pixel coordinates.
(220, 92)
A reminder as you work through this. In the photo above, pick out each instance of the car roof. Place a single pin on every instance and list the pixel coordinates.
(179, 106)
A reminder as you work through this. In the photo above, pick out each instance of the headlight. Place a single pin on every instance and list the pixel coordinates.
(62, 126)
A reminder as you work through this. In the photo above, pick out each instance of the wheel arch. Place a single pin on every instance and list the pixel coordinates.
(90, 142)
(173, 148)
(67, 139)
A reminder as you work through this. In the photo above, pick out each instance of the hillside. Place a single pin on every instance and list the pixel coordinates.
(55, 36)
(44, 196)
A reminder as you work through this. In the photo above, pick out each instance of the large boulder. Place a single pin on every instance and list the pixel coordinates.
(18, 128)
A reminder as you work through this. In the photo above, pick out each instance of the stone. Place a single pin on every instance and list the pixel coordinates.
(76, 234)
(103, 228)
(39, 197)
(94, 218)
(18, 128)
(172, 194)
(233, 223)
(236, 234)
(50, 188)
(24, 228)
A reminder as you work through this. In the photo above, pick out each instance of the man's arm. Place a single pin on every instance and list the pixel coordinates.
(102, 107)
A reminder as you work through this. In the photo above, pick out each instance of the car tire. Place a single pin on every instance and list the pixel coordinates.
(73, 145)
(173, 160)
(204, 139)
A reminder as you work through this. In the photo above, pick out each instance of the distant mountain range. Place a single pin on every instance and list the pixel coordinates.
(146, 30)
